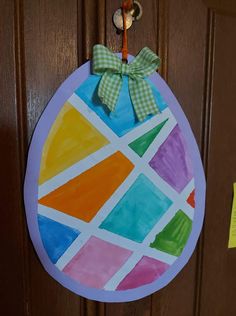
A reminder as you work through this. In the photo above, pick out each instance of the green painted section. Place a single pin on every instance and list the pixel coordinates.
(141, 144)
(173, 238)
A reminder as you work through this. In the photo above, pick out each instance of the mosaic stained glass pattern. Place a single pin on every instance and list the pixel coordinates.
(115, 207)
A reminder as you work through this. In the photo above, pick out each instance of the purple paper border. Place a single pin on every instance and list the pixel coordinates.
(31, 191)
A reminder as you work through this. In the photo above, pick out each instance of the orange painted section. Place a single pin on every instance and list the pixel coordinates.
(83, 196)
(191, 199)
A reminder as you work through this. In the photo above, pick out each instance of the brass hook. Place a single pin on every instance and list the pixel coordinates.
(131, 16)
(136, 11)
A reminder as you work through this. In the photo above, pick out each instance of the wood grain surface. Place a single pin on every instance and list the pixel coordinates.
(41, 43)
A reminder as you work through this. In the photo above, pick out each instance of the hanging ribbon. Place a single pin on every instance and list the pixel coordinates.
(126, 6)
(111, 68)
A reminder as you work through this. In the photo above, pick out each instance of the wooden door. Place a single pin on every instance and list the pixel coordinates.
(41, 43)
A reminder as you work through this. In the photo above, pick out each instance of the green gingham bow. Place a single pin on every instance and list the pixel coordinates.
(111, 68)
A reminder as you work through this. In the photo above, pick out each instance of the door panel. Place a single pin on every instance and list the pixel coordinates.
(227, 6)
(42, 42)
(50, 40)
(13, 232)
(218, 263)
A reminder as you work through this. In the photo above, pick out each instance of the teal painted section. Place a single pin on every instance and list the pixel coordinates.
(138, 211)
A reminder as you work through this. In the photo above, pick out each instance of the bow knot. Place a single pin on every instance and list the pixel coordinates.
(111, 68)
(125, 69)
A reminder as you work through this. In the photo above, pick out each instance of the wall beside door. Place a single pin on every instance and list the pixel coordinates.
(41, 43)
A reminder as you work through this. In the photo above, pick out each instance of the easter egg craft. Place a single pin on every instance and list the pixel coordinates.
(114, 188)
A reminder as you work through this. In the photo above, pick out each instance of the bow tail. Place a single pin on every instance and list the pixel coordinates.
(109, 89)
(142, 98)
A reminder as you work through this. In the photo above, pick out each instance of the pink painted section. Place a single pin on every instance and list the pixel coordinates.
(96, 262)
(146, 271)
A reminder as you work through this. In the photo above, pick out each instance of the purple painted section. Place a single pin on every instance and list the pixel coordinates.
(146, 271)
(172, 162)
(31, 191)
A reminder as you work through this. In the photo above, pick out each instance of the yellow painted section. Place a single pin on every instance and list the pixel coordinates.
(70, 139)
(232, 229)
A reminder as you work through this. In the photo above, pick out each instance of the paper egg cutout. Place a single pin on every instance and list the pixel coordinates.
(114, 206)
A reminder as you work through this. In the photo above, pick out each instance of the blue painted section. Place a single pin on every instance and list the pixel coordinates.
(123, 119)
(138, 211)
(56, 237)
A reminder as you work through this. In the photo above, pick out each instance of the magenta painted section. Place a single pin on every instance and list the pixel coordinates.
(96, 262)
(146, 271)
(172, 162)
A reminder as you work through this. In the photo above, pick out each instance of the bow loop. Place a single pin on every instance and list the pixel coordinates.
(104, 60)
(145, 63)
(111, 68)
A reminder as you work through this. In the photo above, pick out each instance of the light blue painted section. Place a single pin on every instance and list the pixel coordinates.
(138, 211)
(56, 237)
(123, 119)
